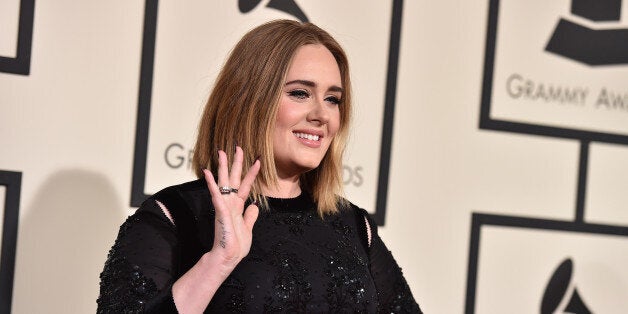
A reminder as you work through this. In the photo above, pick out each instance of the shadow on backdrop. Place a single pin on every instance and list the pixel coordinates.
(64, 236)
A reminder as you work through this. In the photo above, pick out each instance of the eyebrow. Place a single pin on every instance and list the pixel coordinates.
(307, 83)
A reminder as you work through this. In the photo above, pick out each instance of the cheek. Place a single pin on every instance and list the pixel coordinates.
(286, 115)
(334, 123)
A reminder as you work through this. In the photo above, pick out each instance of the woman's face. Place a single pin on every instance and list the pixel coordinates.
(308, 116)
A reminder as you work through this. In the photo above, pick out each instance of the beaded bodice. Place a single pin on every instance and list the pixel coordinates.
(298, 262)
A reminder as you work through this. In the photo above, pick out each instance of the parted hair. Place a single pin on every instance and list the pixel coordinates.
(242, 110)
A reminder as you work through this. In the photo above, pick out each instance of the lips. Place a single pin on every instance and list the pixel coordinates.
(309, 138)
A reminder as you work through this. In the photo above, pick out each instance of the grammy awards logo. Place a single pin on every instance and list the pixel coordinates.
(558, 289)
(287, 6)
(591, 46)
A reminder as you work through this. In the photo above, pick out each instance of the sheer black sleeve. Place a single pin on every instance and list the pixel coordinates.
(141, 266)
(392, 289)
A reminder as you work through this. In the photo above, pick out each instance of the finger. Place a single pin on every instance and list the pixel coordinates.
(250, 216)
(213, 188)
(249, 178)
(236, 169)
(223, 169)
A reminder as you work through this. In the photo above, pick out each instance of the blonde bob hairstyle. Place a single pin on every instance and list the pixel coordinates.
(242, 109)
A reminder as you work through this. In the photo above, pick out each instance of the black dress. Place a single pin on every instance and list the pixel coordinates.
(298, 261)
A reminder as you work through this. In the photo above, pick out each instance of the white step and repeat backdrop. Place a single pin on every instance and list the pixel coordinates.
(489, 141)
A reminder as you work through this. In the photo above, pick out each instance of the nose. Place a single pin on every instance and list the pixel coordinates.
(319, 113)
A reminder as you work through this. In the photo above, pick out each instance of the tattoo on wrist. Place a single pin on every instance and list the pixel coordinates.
(223, 240)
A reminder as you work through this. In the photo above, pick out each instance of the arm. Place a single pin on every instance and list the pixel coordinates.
(142, 267)
(392, 289)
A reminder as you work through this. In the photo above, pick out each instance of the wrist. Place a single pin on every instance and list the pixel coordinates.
(194, 290)
(217, 265)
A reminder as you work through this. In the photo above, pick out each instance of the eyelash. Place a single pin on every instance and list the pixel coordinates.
(299, 94)
(303, 94)
(333, 99)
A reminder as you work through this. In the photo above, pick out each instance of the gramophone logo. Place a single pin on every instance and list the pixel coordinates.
(562, 290)
(591, 46)
(559, 74)
(287, 6)
(534, 265)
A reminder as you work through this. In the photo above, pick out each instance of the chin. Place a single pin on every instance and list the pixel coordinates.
(309, 166)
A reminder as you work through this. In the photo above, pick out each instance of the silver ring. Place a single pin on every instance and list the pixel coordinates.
(225, 190)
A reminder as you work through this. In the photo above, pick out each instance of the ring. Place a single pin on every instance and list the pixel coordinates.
(234, 190)
(225, 190)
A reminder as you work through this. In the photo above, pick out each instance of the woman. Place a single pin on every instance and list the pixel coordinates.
(279, 238)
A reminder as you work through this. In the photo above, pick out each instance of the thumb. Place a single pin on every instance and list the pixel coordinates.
(250, 216)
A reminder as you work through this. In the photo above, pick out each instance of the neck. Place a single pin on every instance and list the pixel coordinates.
(285, 188)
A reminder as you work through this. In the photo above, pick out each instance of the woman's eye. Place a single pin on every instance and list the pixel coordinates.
(333, 99)
(299, 94)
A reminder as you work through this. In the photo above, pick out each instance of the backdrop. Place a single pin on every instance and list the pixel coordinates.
(489, 139)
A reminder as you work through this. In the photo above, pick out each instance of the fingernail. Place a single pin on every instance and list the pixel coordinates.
(255, 202)
(257, 158)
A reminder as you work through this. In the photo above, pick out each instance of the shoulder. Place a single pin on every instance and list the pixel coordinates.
(360, 219)
(346, 208)
(185, 192)
(188, 210)
(191, 196)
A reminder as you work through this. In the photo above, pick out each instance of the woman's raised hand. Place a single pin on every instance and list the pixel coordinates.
(233, 225)
(232, 241)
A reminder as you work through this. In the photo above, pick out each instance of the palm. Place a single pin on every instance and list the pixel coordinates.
(233, 225)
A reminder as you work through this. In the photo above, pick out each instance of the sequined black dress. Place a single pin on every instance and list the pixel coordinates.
(298, 262)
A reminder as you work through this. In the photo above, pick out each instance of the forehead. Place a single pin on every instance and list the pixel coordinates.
(316, 63)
